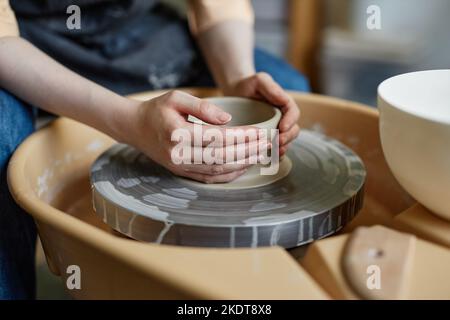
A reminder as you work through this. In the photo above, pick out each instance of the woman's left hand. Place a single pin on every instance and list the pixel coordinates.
(261, 86)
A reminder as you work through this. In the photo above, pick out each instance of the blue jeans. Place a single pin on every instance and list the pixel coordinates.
(283, 73)
(17, 228)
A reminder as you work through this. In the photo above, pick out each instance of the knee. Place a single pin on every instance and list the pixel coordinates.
(283, 73)
(16, 123)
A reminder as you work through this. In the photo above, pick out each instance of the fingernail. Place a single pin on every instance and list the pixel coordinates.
(225, 117)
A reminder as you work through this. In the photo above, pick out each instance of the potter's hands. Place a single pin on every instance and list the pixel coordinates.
(154, 121)
(261, 86)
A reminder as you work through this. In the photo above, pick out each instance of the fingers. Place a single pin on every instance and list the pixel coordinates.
(230, 148)
(203, 135)
(197, 107)
(271, 90)
(222, 178)
(216, 169)
(283, 149)
(288, 136)
(236, 153)
(240, 154)
(291, 114)
(273, 93)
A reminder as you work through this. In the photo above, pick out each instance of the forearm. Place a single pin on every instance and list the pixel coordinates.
(228, 49)
(36, 78)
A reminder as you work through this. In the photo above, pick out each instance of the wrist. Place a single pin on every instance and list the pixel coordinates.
(123, 123)
(229, 85)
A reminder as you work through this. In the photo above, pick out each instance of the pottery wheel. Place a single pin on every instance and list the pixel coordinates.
(322, 192)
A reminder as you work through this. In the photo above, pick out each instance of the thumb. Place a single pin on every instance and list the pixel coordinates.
(200, 109)
(211, 113)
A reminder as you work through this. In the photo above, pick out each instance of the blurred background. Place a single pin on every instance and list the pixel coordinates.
(329, 41)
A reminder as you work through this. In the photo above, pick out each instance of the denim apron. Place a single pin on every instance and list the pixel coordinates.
(126, 46)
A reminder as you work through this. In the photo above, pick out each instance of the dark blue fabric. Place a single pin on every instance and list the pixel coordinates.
(129, 45)
(282, 72)
(118, 47)
(17, 228)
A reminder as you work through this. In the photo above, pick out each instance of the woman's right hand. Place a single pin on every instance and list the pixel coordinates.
(151, 124)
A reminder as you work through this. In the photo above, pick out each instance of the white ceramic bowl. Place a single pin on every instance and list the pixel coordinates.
(415, 135)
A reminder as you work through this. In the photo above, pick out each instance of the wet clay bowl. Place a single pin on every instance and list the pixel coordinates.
(49, 177)
(415, 135)
(249, 112)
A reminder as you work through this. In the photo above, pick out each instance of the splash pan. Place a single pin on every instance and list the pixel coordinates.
(49, 177)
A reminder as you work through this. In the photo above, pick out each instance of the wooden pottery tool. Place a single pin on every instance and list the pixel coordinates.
(377, 262)
(428, 269)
